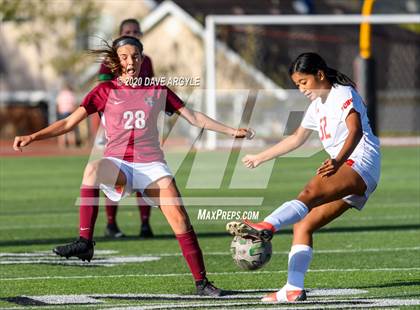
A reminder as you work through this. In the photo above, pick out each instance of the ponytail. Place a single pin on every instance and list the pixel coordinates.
(336, 77)
(109, 57)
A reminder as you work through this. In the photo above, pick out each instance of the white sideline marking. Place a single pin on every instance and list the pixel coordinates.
(50, 253)
(105, 262)
(253, 294)
(47, 307)
(47, 257)
(238, 300)
(333, 304)
(65, 299)
(333, 292)
(210, 273)
(201, 301)
(415, 248)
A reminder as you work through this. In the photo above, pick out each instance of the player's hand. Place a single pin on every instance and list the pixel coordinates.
(251, 161)
(328, 167)
(21, 141)
(247, 133)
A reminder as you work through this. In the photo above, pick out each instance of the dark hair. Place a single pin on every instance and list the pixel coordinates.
(124, 40)
(129, 21)
(109, 54)
(311, 63)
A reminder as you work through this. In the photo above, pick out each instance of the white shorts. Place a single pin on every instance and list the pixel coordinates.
(139, 176)
(370, 172)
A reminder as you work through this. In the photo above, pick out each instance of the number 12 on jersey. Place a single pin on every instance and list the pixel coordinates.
(322, 127)
(134, 119)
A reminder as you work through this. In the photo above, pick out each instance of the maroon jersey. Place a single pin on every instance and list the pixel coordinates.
(129, 116)
(146, 70)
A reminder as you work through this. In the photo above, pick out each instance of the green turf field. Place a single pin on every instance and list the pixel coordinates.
(370, 257)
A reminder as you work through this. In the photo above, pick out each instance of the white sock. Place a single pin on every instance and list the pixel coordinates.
(300, 257)
(288, 213)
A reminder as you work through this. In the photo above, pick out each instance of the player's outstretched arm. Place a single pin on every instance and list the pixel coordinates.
(58, 128)
(283, 147)
(201, 120)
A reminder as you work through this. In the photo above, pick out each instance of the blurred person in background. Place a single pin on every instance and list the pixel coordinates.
(66, 104)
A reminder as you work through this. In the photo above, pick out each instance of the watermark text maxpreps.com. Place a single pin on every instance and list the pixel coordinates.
(219, 214)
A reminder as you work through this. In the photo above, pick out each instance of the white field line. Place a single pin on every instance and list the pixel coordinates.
(334, 304)
(358, 218)
(45, 254)
(49, 253)
(368, 250)
(210, 273)
(387, 217)
(309, 304)
(48, 307)
(239, 294)
(312, 292)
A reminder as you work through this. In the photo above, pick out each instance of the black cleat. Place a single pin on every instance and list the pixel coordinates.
(206, 288)
(81, 248)
(146, 230)
(112, 231)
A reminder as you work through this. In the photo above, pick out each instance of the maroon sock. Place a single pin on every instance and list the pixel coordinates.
(144, 208)
(111, 211)
(89, 198)
(192, 254)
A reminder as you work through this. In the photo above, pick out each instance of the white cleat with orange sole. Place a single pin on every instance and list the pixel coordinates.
(285, 296)
(262, 230)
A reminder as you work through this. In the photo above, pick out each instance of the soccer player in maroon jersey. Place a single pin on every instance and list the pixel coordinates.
(128, 27)
(133, 159)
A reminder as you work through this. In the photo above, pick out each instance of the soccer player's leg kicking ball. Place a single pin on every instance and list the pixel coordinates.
(133, 159)
(344, 180)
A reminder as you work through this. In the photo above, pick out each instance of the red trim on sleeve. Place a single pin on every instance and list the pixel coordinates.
(346, 104)
(173, 102)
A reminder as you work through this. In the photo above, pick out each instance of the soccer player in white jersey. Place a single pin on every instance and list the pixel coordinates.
(343, 181)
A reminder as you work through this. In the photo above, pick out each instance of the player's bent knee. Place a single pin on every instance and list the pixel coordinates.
(309, 196)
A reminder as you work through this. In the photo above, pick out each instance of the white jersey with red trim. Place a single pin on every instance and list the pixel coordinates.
(329, 119)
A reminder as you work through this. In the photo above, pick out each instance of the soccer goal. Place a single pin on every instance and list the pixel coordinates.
(263, 46)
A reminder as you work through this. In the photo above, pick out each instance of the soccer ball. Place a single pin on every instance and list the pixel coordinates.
(250, 253)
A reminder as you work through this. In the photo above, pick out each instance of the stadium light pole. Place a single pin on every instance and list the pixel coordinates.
(365, 67)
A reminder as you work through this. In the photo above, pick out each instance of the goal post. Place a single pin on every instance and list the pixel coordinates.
(212, 21)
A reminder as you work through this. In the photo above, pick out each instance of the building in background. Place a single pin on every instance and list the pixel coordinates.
(248, 57)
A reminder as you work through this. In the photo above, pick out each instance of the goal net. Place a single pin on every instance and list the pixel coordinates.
(269, 102)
